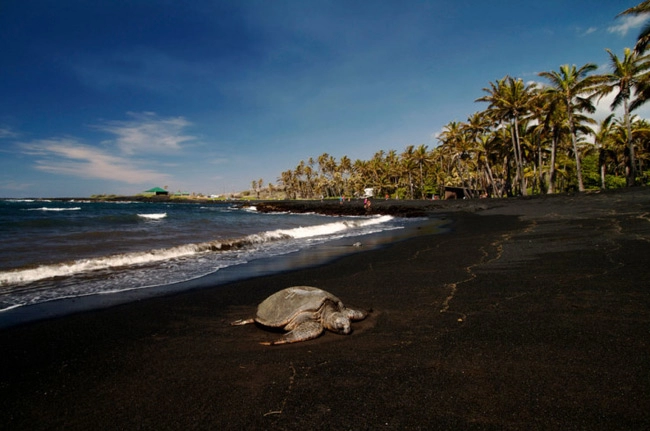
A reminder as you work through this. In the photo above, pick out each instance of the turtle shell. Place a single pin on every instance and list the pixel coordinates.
(278, 309)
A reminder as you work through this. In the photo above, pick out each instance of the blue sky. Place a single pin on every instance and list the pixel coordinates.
(206, 96)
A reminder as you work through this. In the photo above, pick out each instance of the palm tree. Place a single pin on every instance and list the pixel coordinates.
(568, 85)
(287, 180)
(374, 169)
(345, 170)
(640, 136)
(391, 173)
(461, 150)
(641, 133)
(360, 174)
(555, 130)
(644, 37)
(310, 182)
(626, 75)
(509, 100)
(422, 158)
(603, 140)
(449, 137)
(407, 164)
(485, 146)
(327, 169)
(553, 124)
(297, 175)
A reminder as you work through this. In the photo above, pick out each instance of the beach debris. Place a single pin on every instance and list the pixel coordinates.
(305, 312)
(356, 244)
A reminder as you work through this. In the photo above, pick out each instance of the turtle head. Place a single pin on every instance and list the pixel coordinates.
(337, 322)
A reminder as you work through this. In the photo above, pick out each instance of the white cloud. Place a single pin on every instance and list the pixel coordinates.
(69, 157)
(603, 107)
(589, 31)
(603, 110)
(128, 157)
(146, 132)
(6, 132)
(628, 23)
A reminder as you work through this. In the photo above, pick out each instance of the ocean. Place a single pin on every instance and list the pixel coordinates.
(110, 252)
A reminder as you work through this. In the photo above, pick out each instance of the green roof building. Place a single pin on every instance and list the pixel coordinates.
(156, 191)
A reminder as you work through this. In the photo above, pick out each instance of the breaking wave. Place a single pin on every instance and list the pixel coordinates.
(153, 216)
(333, 230)
(54, 209)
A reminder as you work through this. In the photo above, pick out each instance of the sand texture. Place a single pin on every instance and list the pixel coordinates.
(528, 314)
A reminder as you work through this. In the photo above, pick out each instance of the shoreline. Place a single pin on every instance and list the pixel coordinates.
(314, 256)
(530, 313)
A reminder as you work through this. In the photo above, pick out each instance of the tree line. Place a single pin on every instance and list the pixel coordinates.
(531, 138)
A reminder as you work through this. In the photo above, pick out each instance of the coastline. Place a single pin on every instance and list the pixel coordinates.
(530, 313)
(316, 255)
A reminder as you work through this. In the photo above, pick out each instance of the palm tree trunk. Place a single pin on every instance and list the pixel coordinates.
(551, 170)
(631, 178)
(574, 141)
(422, 196)
(540, 175)
(493, 186)
(519, 160)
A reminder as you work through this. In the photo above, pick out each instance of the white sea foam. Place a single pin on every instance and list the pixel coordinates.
(10, 307)
(157, 216)
(66, 269)
(330, 228)
(54, 209)
(8, 278)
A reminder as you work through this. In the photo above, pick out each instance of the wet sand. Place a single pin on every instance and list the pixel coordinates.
(528, 314)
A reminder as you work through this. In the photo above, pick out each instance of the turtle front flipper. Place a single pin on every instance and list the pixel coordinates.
(304, 331)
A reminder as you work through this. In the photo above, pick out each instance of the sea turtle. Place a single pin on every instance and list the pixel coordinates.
(305, 312)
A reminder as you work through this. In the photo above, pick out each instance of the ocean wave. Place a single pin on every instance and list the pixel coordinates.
(67, 269)
(329, 228)
(54, 209)
(157, 216)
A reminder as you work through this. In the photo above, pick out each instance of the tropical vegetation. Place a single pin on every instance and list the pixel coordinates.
(531, 138)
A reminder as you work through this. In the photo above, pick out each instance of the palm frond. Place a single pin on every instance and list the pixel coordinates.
(643, 39)
(643, 7)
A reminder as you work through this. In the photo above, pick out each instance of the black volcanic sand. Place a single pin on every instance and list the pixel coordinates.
(529, 314)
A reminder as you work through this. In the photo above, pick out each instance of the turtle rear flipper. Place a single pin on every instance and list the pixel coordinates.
(304, 331)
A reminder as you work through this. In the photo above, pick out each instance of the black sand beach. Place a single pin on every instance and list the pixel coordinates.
(529, 314)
